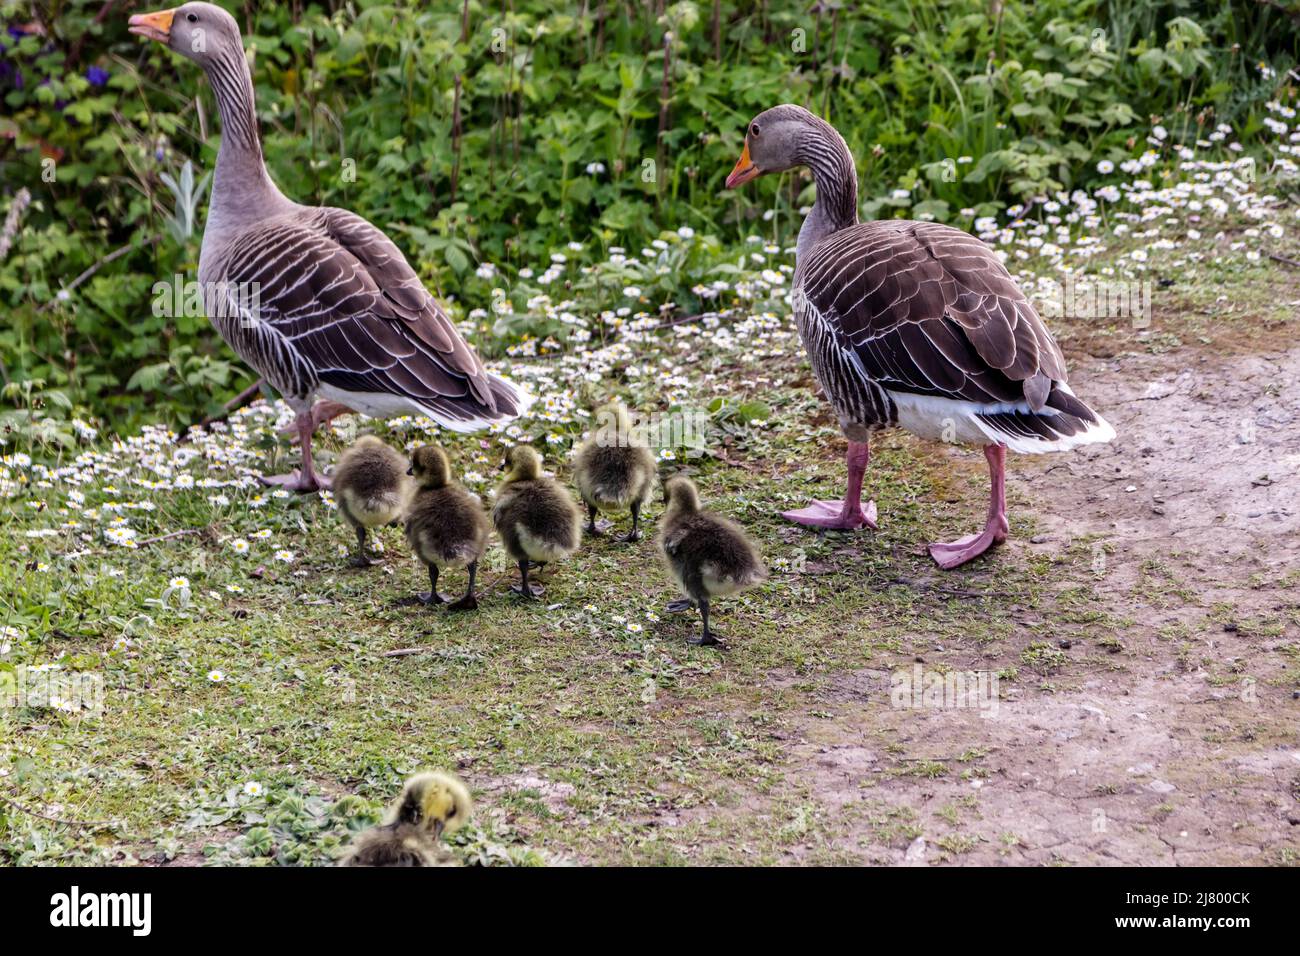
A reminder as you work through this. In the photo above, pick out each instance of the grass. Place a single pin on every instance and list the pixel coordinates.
(257, 713)
(620, 728)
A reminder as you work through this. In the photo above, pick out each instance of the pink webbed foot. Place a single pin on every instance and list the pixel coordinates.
(951, 554)
(834, 515)
(297, 481)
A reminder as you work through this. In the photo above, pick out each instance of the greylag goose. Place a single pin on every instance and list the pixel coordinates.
(916, 325)
(370, 489)
(536, 518)
(445, 524)
(430, 805)
(708, 555)
(614, 469)
(316, 299)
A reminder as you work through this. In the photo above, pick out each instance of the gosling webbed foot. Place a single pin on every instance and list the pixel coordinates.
(468, 603)
(432, 597)
(680, 606)
(632, 537)
(708, 639)
(533, 592)
(360, 561)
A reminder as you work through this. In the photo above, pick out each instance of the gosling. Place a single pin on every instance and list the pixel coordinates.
(708, 555)
(369, 489)
(431, 804)
(538, 520)
(445, 524)
(614, 470)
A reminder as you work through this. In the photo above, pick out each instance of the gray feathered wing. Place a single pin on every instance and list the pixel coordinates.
(340, 300)
(924, 309)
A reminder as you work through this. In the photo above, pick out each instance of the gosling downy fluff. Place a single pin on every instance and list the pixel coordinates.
(445, 524)
(537, 519)
(614, 469)
(370, 489)
(430, 805)
(708, 555)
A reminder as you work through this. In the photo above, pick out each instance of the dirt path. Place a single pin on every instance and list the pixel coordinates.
(1170, 737)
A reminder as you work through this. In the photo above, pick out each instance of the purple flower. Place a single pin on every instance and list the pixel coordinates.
(97, 76)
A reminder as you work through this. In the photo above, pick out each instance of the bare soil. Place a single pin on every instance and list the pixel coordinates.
(1174, 743)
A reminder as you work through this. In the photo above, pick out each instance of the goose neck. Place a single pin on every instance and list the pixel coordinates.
(826, 154)
(242, 189)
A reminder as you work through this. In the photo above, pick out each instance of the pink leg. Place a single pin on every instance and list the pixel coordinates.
(848, 514)
(323, 411)
(306, 479)
(954, 553)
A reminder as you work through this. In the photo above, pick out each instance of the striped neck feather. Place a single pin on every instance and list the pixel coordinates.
(242, 190)
(824, 151)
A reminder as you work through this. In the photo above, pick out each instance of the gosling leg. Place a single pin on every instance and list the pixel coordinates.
(635, 533)
(708, 638)
(523, 588)
(359, 558)
(592, 512)
(469, 602)
(432, 596)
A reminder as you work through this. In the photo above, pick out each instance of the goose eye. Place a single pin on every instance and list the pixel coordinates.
(192, 17)
(753, 130)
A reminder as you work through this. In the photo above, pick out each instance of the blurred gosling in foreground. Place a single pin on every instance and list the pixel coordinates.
(613, 469)
(445, 524)
(709, 555)
(431, 804)
(369, 488)
(537, 519)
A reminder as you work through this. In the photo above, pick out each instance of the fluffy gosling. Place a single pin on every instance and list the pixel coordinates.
(430, 805)
(369, 489)
(538, 520)
(445, 524)
(614, 470)
(709, 555)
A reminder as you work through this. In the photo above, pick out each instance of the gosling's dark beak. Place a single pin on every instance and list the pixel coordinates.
(155, 26)
(411, 470)
(745, 169)
(438, 827)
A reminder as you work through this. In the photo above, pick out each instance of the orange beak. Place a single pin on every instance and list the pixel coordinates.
(745, 169)
(155, 26)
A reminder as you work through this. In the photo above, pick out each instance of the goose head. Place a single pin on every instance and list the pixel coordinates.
(436, 802)
(202, 32)
(429, 467)
(680, 495)
(523, 463)
(775, 141)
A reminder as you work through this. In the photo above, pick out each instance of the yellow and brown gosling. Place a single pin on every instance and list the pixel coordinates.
(445, 524)
(614, 469)
(709, 555)
(370, 489)
(430, 805)
(537, 519)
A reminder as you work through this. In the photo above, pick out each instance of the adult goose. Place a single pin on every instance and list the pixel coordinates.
(316, 299)
(916, 325)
